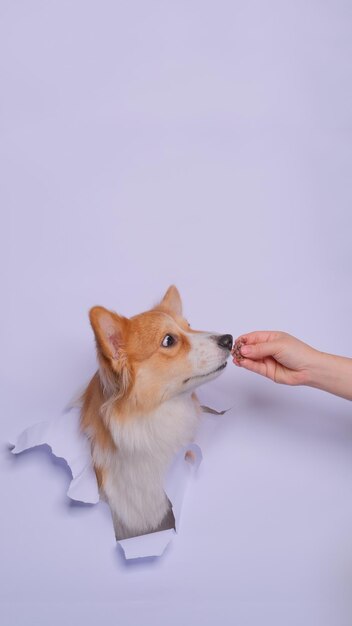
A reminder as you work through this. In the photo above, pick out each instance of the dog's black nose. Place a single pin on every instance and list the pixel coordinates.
(225, 341)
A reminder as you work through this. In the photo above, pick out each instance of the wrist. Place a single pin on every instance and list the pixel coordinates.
(318, 371)
(331, 373)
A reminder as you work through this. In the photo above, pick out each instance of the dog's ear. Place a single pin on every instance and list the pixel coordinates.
(109, 329)
(172, 301)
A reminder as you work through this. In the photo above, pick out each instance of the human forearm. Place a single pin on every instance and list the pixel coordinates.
(331, 373)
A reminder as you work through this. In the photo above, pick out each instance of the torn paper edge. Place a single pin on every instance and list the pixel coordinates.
(63, 436)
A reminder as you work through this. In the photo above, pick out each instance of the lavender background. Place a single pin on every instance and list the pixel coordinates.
(206, 144)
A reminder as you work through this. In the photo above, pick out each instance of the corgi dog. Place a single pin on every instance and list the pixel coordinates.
(140, 408)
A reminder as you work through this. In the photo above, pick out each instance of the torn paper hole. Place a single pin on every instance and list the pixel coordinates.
(62, 434)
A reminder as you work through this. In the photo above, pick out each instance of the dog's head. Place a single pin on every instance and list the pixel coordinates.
(155, 355)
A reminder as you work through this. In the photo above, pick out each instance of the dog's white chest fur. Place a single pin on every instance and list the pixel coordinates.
(146, 446)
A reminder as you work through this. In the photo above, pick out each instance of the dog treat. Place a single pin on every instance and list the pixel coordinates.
(236, 350)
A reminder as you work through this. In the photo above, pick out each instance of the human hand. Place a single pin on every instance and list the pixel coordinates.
(276, 355)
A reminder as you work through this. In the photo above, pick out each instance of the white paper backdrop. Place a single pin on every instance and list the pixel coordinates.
(206, 144)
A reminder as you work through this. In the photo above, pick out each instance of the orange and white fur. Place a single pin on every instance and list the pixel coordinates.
(140, 408)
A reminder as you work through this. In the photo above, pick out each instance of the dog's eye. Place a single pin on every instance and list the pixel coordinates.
(168, 341)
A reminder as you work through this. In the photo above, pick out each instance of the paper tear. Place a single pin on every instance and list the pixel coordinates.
(150, 545)
(208, 409)
(63, 436)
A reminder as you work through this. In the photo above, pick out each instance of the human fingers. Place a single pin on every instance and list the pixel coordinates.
(249, 339)
(258, 351)
(259, 336)
(258, 367)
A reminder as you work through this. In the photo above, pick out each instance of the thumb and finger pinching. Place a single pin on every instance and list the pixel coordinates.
(254, 351)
